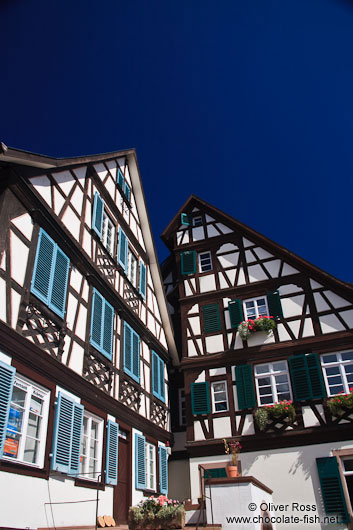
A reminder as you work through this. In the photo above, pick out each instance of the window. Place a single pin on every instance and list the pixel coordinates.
(338, 372)
(108, 232)
(123, 185)
(158, 380)
(50, 274)
(150, 466)
(255, 307)
(182, 407)
(27, 423)
(102, 224)
(131, 353)
(219, 396)
(131, 267)
(142, 286)
(91, 447)
(272, 383)
(205, 261)
(197, 221)
(102, 324)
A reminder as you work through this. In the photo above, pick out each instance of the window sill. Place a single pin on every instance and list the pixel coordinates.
(21, 468)
(91, 484)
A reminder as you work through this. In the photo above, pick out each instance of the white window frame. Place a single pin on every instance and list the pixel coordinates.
(256, 307)
(148, 448)
(182, 407)
(31, 388)
(131, 277)
(108, 223)
(199, 259)
(213, 397)
(197, 221)
(271, 375)
(341, 364)
(84, 473)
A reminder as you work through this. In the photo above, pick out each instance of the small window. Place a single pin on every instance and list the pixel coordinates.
(150, 466)
(27, 424)
(197, 221)
(338, 372)
(272, 383)
(182, 407)
(255, 307)
(219, 396)
(91, 447)
(205, 261)
(131, 267)
(108, 232)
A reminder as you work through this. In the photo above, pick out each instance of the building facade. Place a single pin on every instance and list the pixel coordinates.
(219, 274)
(85, 341)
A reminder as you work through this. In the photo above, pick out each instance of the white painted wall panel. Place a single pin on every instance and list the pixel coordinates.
(330, 323)
(198, 233)
(293, 306)
(77, 200)
(195, 325)
(289, 289)
(336, 301)
(321, 305)
(76, 359)
(347, 317)
(308, 330)
(207, 283)
(222, 427)
(223, 228)
(3, 300)
(198, 432)
(15, 300)
(229, 260)
(256, 273)
(272, 267)
(72, 223)
(25, 225)
(214, 344)
(19, 257)
(288, 269)
(211, 231)
(65, 181)
(42, 186)
(227, 247)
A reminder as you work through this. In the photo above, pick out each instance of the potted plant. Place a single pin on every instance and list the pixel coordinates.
(232, 448)
(264, 323)
(283, 409)
(156, 513)
(339, 404)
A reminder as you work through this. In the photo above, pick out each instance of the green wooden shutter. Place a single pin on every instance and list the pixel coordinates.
(188, 262)
(127, 348)
(96, 319)
(120, 179)
(315, 376)
(331, 487)
(163, 470)
(274, 305)
(185, 219)
(155, 374)
(211, 318)
(142, 286)
(245, 387)
(111, 474)
(97, 217)
(140, 462)
(107, 331)
(42, 272)
(7, 378)
(235, 312)
(161, 380)
(58, 288)
(122, 249)
(135, 357)
(67, 435)
(200, 398)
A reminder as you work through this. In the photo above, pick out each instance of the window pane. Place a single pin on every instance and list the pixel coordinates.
(36, 405)
(31, 450)
(33, 428)
(336, 389)
(264, 381)
(262, 369)
(348, 464)
(18, 397)
(265, 390)
(348, 368)
(220, 396)
(282, 388)
(218, 387)
(335, 380)
(11, 446)
(281, 378)
(332, 358)
(280, 366)
(333, 370)
(348, 356)
(221, 406)
(266, 400)
(283, 395)
(14, 423)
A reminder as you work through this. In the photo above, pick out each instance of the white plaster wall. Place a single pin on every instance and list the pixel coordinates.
(330, 324)
(33, 493)
(292, 306)
(222, 427)
(4, 300)
(25, 224)
(207, 283)
(214, 343)
(19, 256)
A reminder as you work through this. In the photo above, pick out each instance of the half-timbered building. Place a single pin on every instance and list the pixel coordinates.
(219, 274)
(85, 340)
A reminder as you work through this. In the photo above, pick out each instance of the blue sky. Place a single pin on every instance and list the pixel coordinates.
(246, 104)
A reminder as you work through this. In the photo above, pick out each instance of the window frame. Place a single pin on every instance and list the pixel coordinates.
(340, 363)
(148, 446)
(91, 417)
(194, 219)
(213, 383)
(246, 317)
(130, 256)
(106, 221)
(271, 374)
(32, 387)
(199, 261)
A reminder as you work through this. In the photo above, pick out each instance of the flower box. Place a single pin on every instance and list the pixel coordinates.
(264, 324)
(158, 513)
(281, 412)
(340, 404)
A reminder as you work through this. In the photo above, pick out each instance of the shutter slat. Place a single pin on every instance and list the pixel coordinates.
(245, 387)
(111, 476)
(300, 377)
(211, 318)
(200, 398)
(135, 357)
(163, 470)
(59, 283)
(274, 305)
(161, 380)
(315, 376)
(43, 264)
(77, 423)
(97, 218)
(7, 378)
(127, 348)
(235, 313)
(188, 262)
(62, 434)
(108, 326)
(96, 320)
(155, 378)
(122, 249)
(140, 462)
(331, 487)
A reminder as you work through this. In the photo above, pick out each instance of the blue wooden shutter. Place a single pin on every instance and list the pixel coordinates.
(245, 386)
(41, 280)
(161, 380)
(331, 487)
(235, 313)
(211, 318)
(185, 219)
(142, 286)
(97, 218)
(67, 435)
(96, 319)
(111, 475)
(188, 262)
(140, 462)
(135, 357)
(107, 332)
(274, 305)
(7, 377)
(200, 398)
(155, 375)
(127, 348)
(122, 249)
(127, 191)
(58, 290)
(120, 179)
(163, 470)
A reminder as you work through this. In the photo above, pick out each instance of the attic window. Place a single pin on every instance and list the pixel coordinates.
(197, 221)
